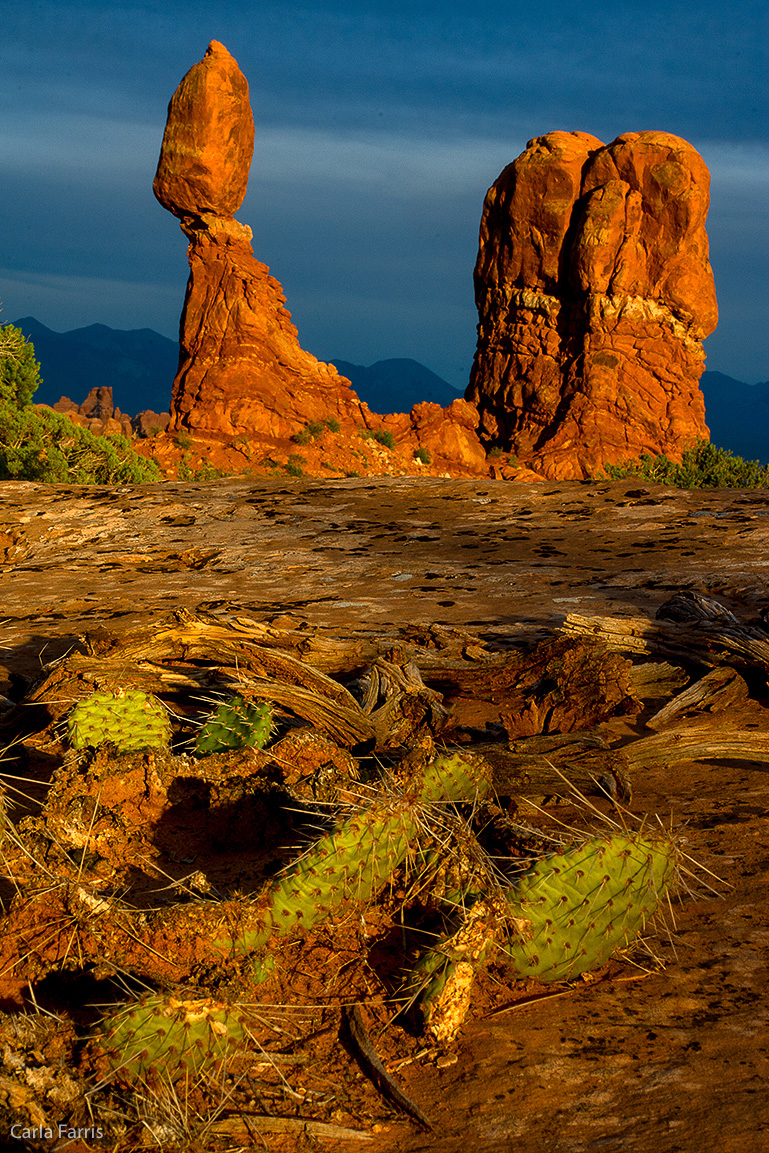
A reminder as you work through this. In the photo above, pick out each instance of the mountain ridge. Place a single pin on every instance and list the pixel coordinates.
(140, 365)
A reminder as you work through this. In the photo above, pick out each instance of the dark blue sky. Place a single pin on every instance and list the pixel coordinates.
(380, 125)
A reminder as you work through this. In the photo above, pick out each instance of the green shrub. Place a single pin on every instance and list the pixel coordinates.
(315, 429)
(423, 454)
(205, 471)
(703, 466)
(294, 465)
(19, 371)
(42, 445)
(385, 438)
(183, 440)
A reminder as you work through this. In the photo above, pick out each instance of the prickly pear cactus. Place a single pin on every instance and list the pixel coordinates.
(350, 864)
(564, 916)
(237, 724)
(129, 719)
(585, 903)
(166, 1036)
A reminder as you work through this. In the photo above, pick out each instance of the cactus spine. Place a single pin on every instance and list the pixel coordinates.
(238, 724)
(129, 719)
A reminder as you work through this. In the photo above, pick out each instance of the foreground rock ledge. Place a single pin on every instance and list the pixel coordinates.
(366, 555)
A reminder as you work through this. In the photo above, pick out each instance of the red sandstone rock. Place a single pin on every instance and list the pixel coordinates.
(594, 293)
(97, 413)
(148, 423)
(241, 369)
(208, 141)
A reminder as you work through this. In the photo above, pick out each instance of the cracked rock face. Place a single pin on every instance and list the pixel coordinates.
(594, 293)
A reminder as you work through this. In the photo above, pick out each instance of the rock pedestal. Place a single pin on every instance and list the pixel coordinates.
(241, 369)
(594, 293)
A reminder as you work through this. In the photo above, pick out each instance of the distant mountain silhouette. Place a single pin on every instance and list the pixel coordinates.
(139, 365)
(396, 385)
(737, 415)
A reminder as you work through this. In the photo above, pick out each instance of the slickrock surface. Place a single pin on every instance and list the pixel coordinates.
(678, 1060)
(506, 559)
(594, 293)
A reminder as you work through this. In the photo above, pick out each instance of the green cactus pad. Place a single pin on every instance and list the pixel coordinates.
(238, 724)
(348, 866)
(585, 903)
(129, 719)
(351, 864)
(564, 916)
(456, 777)
(167, 1036)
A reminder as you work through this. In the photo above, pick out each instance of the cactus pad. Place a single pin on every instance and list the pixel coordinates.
(585, 903)
(564, 916)
(350, 864)
(238, 724)
(166, 1036)
(129, 719)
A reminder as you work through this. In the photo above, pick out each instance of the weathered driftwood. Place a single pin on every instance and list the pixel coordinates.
(183, 635)
(399, 702)
(246, 1126)
(720, 689)
(697, 743)
(559, 686)
(705, 644)
(656, 680)
(689, 629)
(554, 766)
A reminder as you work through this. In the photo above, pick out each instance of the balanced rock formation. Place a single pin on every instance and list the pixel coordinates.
(241, 369)
(594, 293)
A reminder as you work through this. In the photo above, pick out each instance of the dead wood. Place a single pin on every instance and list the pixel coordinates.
(560, 686)
(328, 654)
(689, 639)
(554, 766)
(653, 681)
(720, 689)
(696, 743)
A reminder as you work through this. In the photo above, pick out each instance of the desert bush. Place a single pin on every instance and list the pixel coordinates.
(42, 445)
(315, 429)
(205, 471)
(423, 454)
(294, 464)
(702, 466)
(19, 371)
